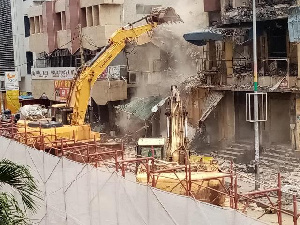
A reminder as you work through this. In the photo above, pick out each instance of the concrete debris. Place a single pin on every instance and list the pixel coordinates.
(33, 112)
(264, 12)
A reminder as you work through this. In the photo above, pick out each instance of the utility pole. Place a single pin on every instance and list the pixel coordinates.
(256, 123)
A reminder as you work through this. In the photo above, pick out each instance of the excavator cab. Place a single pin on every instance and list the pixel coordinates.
(146, 147)
(61, 113)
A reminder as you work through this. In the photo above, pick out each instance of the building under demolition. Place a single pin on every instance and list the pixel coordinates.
(227, 68)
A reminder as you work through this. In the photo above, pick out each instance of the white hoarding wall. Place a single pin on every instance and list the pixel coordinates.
(53, 73)
(77, 194)
(11, 81)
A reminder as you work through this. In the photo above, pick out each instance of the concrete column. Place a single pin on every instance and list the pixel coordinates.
(229, 57)
(293, 121)
(73, 15)
(155, 121)
(227, 119)
(297, 131)
(297, 126)
(298, 55)
(212, 56)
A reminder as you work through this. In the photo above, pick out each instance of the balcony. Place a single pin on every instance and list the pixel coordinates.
(113, 90)
(97, 36)
(38, 42)
(60, 6)
(275, 74)
(88, 3)
(63, 37)
(35, 11)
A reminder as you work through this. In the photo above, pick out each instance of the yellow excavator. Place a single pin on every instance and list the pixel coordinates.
(172, 152)
(70, 117)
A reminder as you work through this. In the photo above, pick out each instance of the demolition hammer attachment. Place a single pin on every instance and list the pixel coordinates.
(162, 15)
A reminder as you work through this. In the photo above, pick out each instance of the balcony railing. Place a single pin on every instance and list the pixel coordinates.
(216, 72)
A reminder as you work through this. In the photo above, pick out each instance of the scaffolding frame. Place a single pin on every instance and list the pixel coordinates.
(99, 154)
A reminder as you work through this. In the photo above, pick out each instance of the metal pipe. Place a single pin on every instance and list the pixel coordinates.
(235, 194)
(279, 200)
(185, 126)
(295, 217)
(168, 127)
(256, 123)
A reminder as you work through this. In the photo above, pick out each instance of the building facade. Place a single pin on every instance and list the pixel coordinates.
(228, 69)
(65, 34)
(6, 40)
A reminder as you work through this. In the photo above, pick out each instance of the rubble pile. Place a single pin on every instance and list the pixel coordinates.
(33, 112)
(236, 35)
(264, 12)
(290, 180)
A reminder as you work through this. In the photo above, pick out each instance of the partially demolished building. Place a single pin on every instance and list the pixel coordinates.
(227, 68)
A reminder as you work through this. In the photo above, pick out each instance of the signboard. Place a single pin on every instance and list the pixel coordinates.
(12, 100)
(111, 73)
(53, 73)
(62, 88)
(11, 81)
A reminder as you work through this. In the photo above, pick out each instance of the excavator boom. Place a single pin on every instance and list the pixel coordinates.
(81, 86)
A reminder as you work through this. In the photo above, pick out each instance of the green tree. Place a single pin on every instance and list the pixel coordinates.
(18, 177)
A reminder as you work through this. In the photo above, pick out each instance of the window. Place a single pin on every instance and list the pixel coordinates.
(96, 16)
(145, 9)
(132, 78)
(63, 20)
(27, 26)
(36, 24)
(89, 16)
(32, 26)
(29, 61)
(41, 23)
(277, 32)
(83, 17)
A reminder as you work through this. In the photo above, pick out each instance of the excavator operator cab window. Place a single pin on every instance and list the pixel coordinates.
(146, 151)
(58, 116)
(61, 114)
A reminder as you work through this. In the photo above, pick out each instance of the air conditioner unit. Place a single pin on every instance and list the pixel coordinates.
(132, 78)
(2, 85)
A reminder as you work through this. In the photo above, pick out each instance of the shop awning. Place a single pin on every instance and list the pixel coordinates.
(201, 37)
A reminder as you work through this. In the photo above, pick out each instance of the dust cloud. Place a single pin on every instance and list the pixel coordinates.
(178, 58)
(182, 56)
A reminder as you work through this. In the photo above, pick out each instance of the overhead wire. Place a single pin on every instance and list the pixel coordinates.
(43, 58)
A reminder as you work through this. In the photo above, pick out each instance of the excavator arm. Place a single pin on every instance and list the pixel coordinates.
(81, 88)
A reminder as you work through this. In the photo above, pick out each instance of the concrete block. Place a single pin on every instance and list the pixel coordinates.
(43, 86)
(110, 15)
(63, 37)
(60, 6)
(35, 11)
(38, 43)
(114, 90)
(87, 3)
